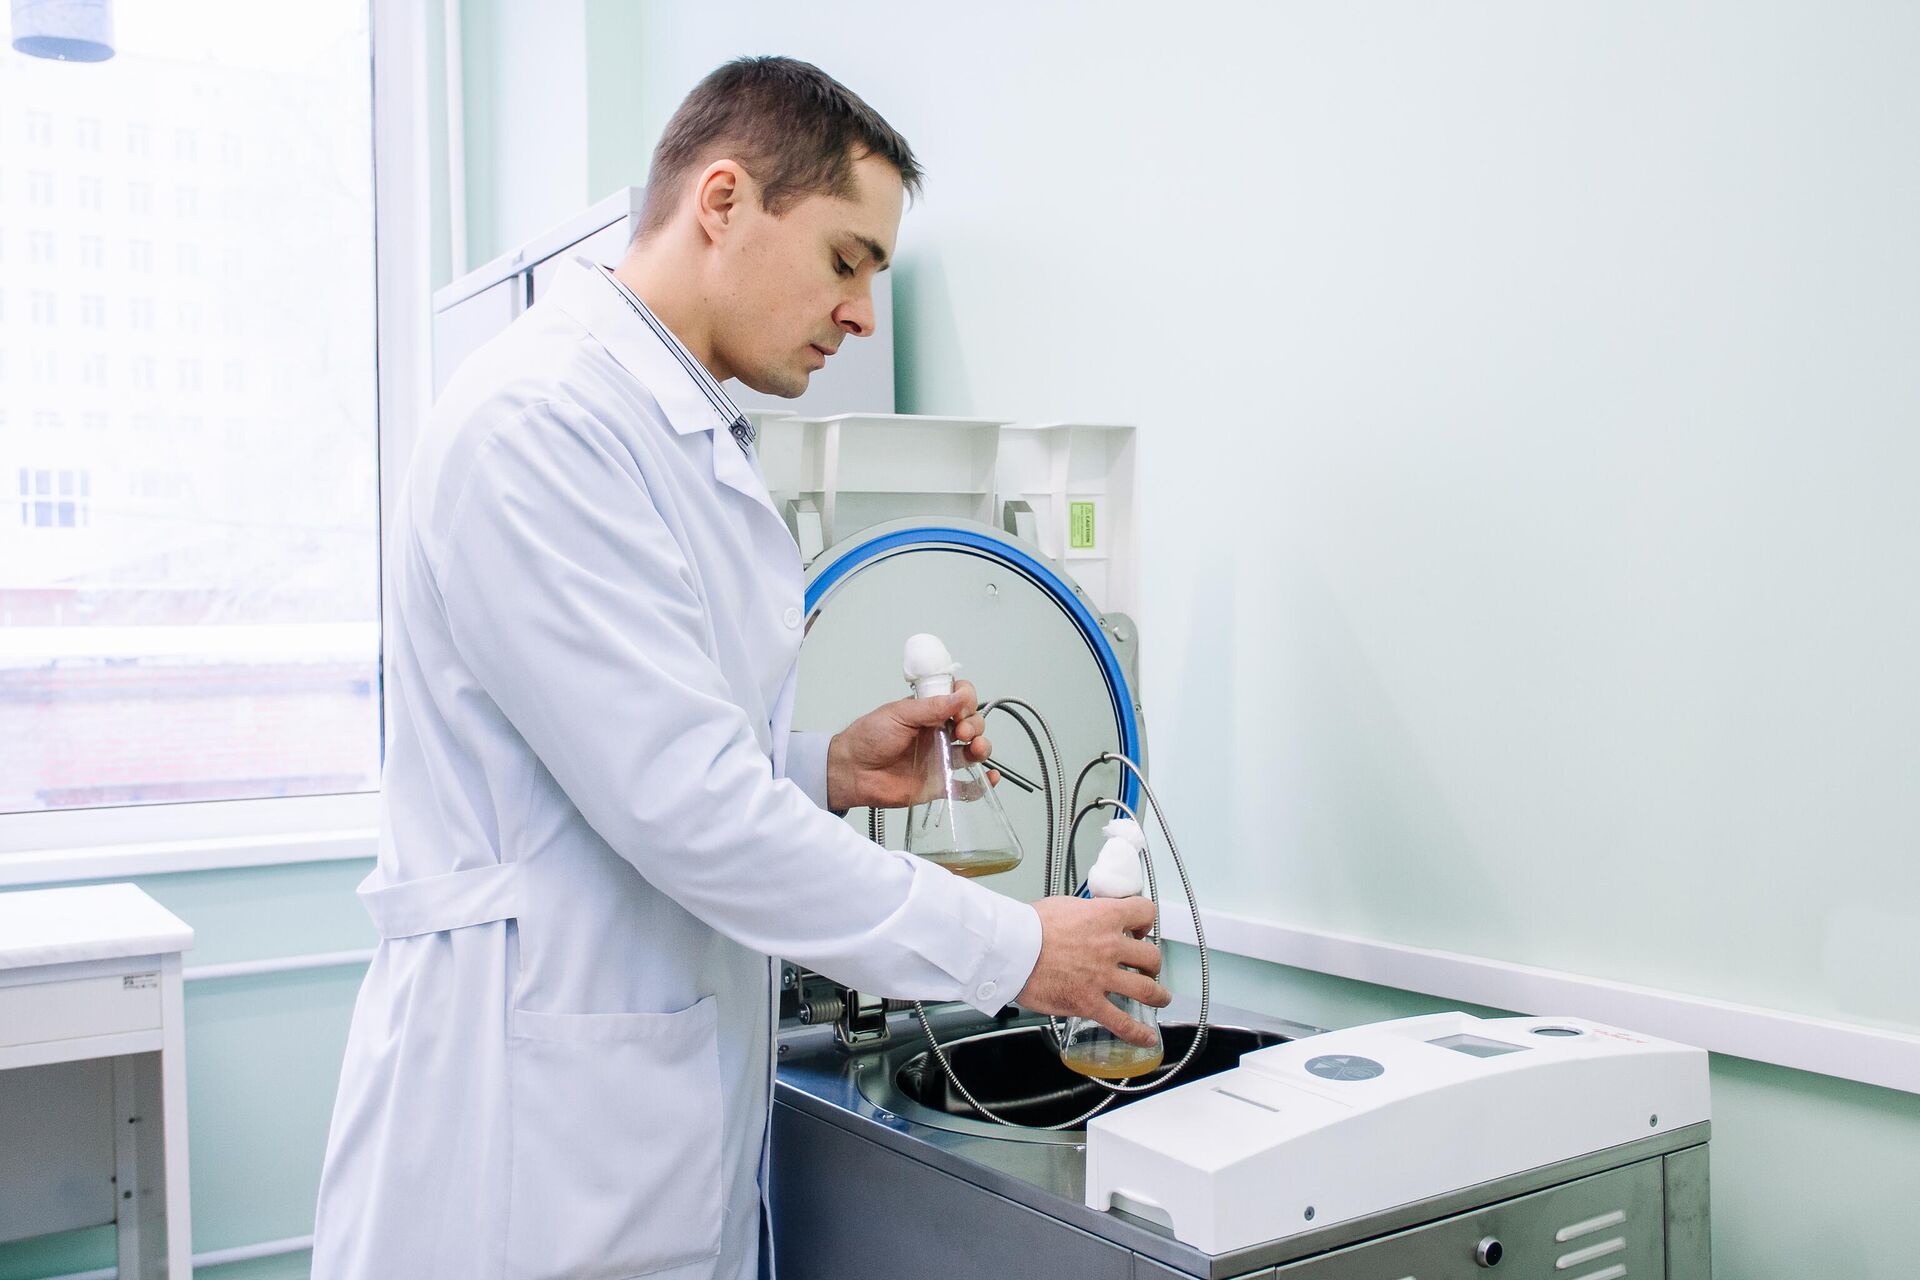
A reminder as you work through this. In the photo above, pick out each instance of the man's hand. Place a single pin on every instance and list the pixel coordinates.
(873, 761)
(1083, 943)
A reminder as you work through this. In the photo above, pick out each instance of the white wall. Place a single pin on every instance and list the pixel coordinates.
(525, 88)
(1527, 397)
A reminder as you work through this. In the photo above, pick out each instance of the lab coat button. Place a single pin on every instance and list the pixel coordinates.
(986, 990)
(792, 617)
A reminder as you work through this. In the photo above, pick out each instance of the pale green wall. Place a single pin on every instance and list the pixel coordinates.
(263, 1059)
(1525, 397)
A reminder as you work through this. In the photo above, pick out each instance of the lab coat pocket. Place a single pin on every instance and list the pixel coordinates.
(616, 1133)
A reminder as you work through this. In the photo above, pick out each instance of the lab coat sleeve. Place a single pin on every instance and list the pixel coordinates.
(576, 610)
(807, 764)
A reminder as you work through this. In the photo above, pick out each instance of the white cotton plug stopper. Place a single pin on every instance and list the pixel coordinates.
(1118, 872)
(929, 667)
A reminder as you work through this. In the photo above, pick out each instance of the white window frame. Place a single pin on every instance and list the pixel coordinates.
(105, 843)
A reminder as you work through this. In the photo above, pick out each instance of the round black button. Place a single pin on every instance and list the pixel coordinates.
(1489, 1252)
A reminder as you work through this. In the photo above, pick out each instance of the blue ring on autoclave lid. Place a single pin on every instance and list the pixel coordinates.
(1040, 575)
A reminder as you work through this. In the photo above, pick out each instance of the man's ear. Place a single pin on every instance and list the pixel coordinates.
(718, 197)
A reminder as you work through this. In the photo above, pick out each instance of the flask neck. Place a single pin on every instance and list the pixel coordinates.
(933, 686)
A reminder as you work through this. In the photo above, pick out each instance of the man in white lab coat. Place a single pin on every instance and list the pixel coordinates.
(598, 827)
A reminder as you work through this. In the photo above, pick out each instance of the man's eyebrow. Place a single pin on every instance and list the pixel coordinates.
(873, 249)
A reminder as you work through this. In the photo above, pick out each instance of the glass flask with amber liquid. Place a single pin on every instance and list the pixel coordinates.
(958, 822)
(1090, 1048)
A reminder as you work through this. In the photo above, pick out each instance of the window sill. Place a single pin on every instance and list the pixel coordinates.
(102, 844)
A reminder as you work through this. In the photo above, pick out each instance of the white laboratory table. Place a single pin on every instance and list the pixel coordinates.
(93, 1091)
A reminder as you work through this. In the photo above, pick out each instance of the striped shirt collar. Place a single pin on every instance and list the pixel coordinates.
(663, 359)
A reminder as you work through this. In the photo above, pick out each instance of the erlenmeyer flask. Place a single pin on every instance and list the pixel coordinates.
(1090, 1048)
(957, 822)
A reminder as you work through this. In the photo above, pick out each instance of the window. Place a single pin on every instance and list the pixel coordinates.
(55, 498)
(46, 368)
(253, 572)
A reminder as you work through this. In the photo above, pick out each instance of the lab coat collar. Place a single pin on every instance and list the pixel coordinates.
(689, 396)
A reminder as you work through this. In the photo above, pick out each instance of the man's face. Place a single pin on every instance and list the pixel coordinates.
(793, 288)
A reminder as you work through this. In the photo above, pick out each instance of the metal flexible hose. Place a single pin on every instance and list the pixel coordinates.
(1051, 800)
(1058, 861)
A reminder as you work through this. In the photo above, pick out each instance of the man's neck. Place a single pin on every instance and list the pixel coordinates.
(673, 299)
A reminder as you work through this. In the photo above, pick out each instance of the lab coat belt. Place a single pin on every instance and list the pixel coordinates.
(432, 904)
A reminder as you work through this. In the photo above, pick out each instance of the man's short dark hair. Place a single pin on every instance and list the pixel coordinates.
(792, 126)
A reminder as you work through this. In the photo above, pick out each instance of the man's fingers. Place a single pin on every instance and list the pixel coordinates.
(1143, 956)
(1144, 989)
(1130, 1029)
(1131, 915)
(966, 702)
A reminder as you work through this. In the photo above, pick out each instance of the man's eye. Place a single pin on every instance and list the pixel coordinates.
(841, 265)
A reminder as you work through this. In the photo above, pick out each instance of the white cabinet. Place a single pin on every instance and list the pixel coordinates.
(93, 1092)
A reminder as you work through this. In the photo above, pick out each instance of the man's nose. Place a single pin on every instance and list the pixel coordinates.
(856, 316)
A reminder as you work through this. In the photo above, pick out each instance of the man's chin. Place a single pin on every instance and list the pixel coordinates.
(787, 386)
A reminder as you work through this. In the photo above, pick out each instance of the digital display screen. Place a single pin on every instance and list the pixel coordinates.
(1476, 1046)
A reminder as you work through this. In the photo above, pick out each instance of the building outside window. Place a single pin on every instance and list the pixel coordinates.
(187, 620)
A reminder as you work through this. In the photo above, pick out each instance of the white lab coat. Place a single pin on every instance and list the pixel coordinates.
(597, 832)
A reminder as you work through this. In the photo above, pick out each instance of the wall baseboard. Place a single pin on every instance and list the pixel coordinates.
(214, 1258)
(277, 964)
(1846, 1050)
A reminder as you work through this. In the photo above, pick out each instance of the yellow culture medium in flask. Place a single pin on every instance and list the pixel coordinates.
(958, 823)
(1111, 1058)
